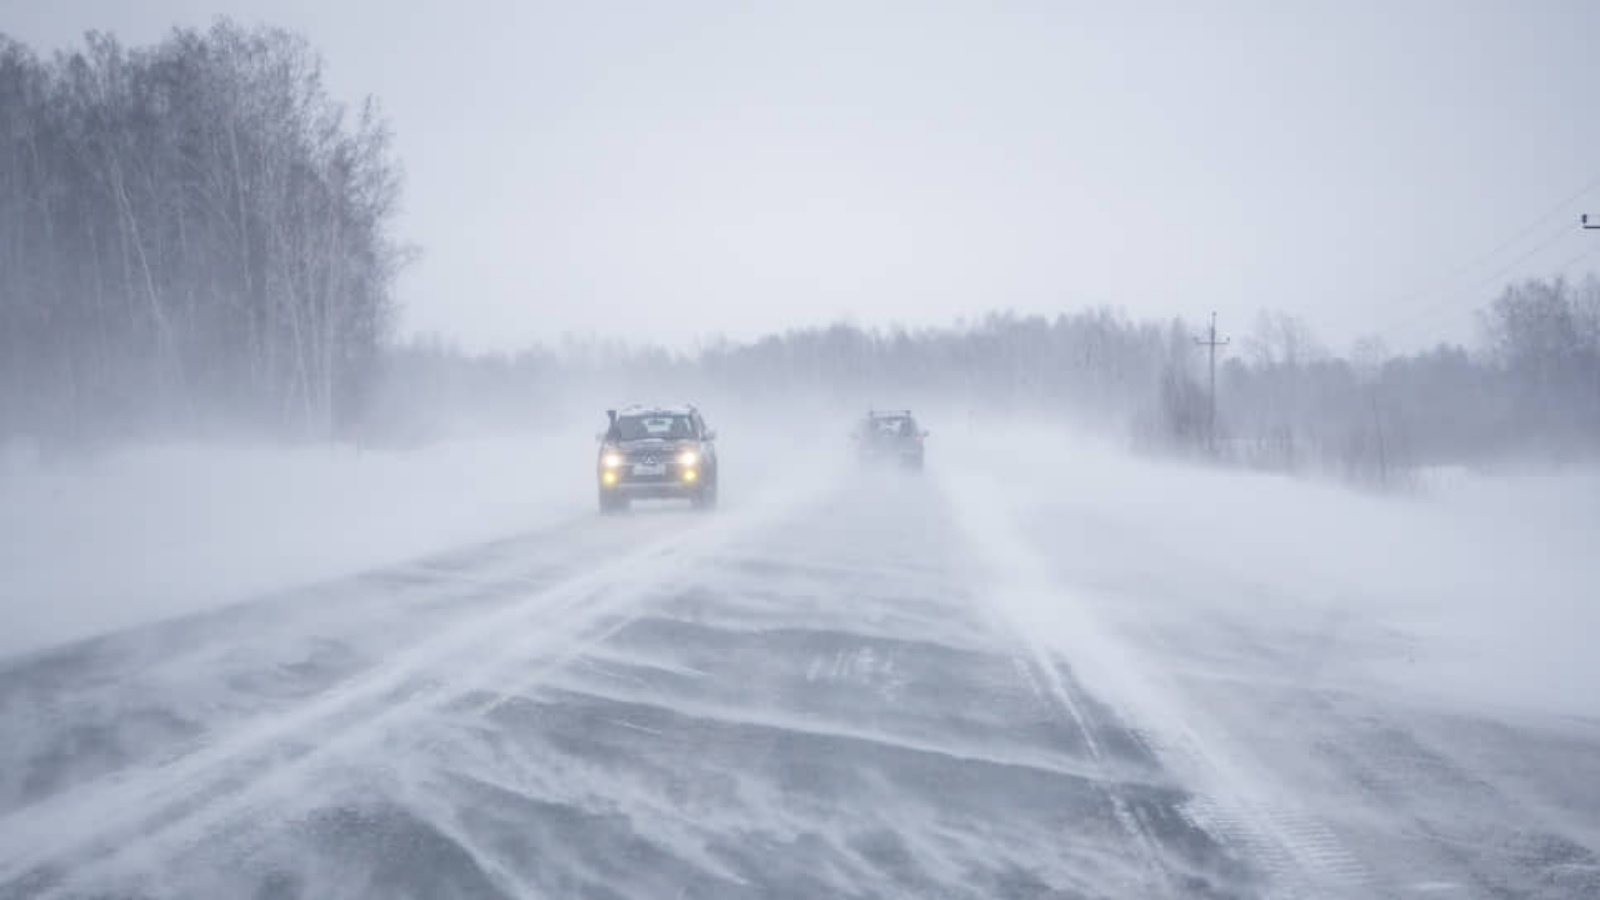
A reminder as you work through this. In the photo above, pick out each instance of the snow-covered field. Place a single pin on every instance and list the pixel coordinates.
(1378, 696)
(1482, 589)
(144, 534)
(1041, 668)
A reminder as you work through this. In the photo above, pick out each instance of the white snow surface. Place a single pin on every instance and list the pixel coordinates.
(1041, 657)
(1482, 590)
(143, 534)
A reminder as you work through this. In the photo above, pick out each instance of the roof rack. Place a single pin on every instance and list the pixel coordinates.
(638, 408)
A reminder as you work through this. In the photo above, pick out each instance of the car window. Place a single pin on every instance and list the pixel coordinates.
(634, 428)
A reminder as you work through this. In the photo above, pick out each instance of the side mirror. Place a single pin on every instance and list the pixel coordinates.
(710, 435)
(599, 437)
(925, 432)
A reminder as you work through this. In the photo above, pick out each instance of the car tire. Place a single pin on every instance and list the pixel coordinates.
(707, 498)
(612, 503)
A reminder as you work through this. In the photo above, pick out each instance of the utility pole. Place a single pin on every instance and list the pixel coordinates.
(1211, 344)
(1593, 226)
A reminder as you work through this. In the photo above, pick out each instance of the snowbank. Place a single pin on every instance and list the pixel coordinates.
(100, 543)
(143, 534)
(1482, 590)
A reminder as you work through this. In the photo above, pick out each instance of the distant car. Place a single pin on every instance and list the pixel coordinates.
(891, 436)
(656, 453)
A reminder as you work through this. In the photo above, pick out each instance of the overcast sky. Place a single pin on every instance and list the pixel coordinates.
(673, 170)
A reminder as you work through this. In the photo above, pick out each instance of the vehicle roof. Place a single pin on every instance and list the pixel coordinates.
(889, 414)
(637, 409)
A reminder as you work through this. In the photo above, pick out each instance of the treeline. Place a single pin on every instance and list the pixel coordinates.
(1094, 364)
(1284, 400)
(190, 233)
(195, 234)
(1528, 390)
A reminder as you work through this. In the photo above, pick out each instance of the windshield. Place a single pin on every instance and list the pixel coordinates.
(891, 426)
(666, 427)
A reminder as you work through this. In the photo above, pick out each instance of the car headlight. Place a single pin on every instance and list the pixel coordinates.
(611, 460)
(688, 458)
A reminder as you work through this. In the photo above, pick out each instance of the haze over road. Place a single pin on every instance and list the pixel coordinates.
(854, 684)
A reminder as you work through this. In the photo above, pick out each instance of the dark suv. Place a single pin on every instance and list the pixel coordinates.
(890, 436)
(654, 453)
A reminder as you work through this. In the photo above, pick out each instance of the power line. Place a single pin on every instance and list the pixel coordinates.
(1522, 233)
(1428, 313)
(1431, 315)
(1566, 266)
(1592, 251)
(1554, 211)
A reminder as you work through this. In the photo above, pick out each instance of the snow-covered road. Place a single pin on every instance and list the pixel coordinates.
(857, 686)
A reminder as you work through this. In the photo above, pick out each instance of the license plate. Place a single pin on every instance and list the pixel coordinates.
(658, 469)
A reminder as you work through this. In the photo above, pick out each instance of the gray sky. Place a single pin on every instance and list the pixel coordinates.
(673, 170)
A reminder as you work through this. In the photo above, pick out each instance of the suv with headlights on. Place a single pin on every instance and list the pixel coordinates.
(655, 452)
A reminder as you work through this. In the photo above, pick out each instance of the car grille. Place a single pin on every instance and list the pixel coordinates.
(664, 456)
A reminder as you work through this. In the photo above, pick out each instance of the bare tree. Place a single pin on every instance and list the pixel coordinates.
(192, 231)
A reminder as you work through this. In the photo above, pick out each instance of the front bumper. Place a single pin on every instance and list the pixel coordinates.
(654, 491)
(674, 482)
(903, 455)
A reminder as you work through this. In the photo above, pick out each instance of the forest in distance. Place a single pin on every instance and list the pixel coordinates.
(196, 239)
